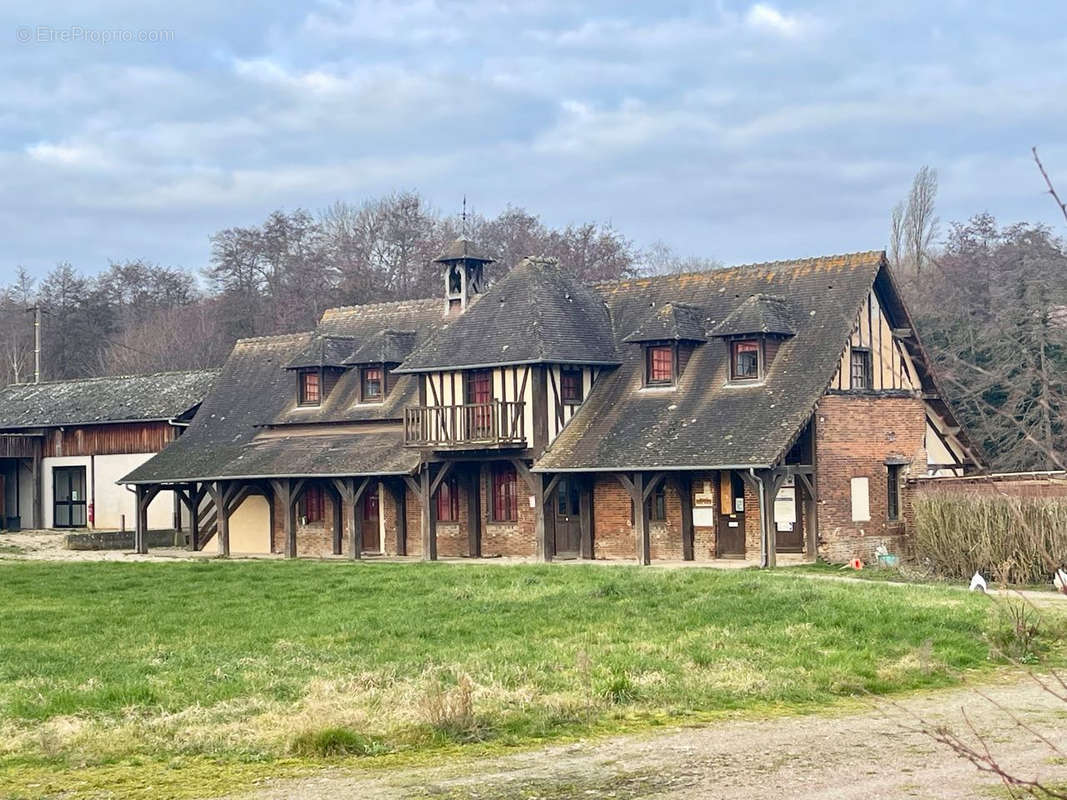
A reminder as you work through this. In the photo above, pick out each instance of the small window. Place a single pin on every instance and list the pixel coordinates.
(660, 367)
(310, 388)
(313, 504)
(373, 386)
(893, 492)
(861, 368)
(570, 386)
(657, 504)
(505, 493)
(744, 360)
(448, 500)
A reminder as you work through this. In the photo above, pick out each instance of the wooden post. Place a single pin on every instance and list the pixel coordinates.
(401, 498)
(769, 529)
(428, 516)
(644, 543)
(222, 517)
(38, 509)
(683, 484)
(193, 495)
(283, 492)
(140, 521)
(474, 512)
(585, 510)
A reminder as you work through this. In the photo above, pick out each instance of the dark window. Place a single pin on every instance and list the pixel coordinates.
(657, 504)
(313, 504)
(310, 388)
(660, 365)
(570, 386)
(861, 368)
(370, 506)
(744, 360)
(373, 388)
(505, 493)
(479, 389)
(893, 492)
(448, 500)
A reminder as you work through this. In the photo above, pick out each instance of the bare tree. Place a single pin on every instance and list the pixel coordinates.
(913, 225)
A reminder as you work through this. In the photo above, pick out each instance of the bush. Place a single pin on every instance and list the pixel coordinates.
(1015, 632)
(1011, 539)
(333, 742)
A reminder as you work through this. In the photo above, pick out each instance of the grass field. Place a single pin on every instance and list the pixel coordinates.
(121, 680)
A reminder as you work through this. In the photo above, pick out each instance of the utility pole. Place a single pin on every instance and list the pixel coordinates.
(36, 342)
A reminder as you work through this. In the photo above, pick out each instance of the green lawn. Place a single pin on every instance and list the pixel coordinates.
(201, 676)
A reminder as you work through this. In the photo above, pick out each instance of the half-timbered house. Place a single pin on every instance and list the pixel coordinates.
(734, 413)
(65, 444)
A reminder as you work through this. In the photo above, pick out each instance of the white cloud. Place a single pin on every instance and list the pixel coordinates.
(767, 18)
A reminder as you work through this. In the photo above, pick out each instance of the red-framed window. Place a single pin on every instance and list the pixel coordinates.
(479, 386)
(448, 500)
(744, 360)
(660, 366)
(310, 388)
(505, 493)
(313, 504)
(570, 386)
(373, 384)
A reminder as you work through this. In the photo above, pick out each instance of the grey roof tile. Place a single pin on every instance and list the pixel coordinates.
(126, 398)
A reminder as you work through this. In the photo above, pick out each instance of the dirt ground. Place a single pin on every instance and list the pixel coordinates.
(871, 755)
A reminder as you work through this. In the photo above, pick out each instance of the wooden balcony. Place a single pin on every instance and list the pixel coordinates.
(474, 426)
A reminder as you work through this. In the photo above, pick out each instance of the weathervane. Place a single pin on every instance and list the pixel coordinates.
(464, 228)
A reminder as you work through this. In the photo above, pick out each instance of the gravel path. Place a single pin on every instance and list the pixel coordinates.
(869, 755)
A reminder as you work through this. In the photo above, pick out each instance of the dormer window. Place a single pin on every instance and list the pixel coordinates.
(310, 387)
(745, 358)
(659, 365)
(372, 384)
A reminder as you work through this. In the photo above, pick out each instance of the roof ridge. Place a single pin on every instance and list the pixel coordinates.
(791, 262)
(381, 306)
(128, 376)
(274, 337)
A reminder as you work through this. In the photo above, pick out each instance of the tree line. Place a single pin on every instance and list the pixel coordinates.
(989, 300)
(278, 277)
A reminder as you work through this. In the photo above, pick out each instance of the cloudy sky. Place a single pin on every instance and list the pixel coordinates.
(737, 130)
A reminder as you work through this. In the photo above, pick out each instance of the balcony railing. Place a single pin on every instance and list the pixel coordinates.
(498, 423)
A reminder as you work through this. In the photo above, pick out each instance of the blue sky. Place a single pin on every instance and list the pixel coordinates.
(739, 131)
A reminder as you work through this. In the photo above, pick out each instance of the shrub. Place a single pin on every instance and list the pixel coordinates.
(1015, 632)
(334, 742)
(1010, 539)
(450, 710)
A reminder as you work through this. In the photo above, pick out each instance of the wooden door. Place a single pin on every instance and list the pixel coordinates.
(371, 526)
(568, 519)
(730, 535)
(479, 394)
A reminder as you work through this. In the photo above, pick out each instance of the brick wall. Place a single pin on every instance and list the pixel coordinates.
(855, 435)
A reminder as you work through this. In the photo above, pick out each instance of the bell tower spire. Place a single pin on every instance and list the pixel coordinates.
(464, 270)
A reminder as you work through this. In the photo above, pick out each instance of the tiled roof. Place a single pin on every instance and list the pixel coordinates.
(671, 322)
(760, 313)
(384, 347)
(323, 351)
(703, 422)
(537, 313)
(462, 248)
(162, 395)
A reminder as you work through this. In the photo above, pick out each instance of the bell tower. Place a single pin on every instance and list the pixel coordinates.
(464, 273)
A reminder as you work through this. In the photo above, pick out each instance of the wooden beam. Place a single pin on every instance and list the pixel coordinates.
(221, 496)
(641, 528)
(428, 517)
(139, 523)
(442, 473)
(355, 545)
(652, 483)
(532, 480)
(552, 484)
(398, 490)
(542, 542)
(283, 492)
(343, 489)
(474, 512)
(585, 515)
(627, 484)
(683, 485)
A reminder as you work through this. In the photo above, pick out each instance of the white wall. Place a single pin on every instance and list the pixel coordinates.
(249, 527)
(110, 501)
